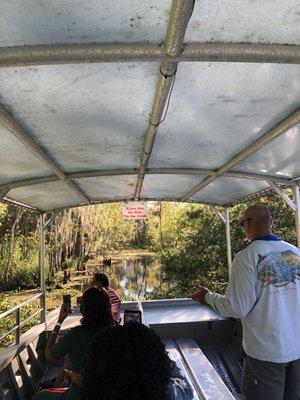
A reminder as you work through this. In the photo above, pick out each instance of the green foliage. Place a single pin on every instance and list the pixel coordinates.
(68, 263)
(62, 292)
(193, 249)
(7, 323)
(72, 238)
(25, 271)
(190, 241)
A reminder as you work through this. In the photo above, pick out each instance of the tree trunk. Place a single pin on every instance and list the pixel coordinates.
(12, 242)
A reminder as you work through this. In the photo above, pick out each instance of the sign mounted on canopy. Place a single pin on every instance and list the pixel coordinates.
(135, 210)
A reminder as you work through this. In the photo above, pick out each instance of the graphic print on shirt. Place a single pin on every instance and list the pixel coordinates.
(278, 268)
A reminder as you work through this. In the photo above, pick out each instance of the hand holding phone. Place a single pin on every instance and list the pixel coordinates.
(67, 299)
(65, 308)
(132, 315)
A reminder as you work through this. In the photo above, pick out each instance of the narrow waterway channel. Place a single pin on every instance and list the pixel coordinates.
(135, 278)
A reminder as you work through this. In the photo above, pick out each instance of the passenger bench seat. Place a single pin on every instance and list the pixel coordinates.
(207, 381)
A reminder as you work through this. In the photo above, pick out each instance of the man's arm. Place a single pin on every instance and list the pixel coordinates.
(240, 295)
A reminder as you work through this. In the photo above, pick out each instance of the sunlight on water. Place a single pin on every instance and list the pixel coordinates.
(134, 278)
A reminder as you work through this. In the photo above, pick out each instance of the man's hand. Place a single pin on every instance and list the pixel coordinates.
(199, 294)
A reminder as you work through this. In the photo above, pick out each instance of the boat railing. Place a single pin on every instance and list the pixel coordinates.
(17, 311)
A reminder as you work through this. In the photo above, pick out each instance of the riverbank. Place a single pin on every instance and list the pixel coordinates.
(134, 273)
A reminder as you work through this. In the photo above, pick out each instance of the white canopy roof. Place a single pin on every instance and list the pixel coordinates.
(78, 81)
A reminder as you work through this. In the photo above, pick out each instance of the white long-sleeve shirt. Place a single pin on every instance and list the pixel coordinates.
(264, 291)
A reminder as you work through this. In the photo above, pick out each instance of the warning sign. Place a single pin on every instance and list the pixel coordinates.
(135, 210)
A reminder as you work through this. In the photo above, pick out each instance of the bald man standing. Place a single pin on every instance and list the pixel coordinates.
(264, 292)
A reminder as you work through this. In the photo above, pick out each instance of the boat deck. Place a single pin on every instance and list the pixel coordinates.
(204, 345)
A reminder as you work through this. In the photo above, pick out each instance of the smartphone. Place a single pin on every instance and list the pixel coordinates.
(67, 300)
(132, 315)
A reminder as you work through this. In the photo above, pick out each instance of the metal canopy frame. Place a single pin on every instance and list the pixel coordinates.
(151, 171)
(279, 129)
(172, 51)
(145, 52)
(169, 53)
(226, 221)
(180, 14)
(11, 124)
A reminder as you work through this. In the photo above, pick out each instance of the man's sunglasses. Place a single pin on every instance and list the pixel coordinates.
(242, 221)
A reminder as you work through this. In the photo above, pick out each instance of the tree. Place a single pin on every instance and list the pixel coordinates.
(194, 246)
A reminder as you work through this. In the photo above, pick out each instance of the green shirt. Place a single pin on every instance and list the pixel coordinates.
(74, 343)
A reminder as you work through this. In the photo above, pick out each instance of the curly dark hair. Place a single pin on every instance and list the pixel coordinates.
(95, 308)
(126, 362)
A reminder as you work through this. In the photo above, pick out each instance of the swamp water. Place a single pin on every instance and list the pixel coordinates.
(134, 278)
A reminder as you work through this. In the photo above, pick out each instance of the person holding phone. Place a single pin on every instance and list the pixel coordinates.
(96, 315)
(101, 280)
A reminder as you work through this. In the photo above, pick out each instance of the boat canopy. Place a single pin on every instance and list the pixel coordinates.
(106, 100)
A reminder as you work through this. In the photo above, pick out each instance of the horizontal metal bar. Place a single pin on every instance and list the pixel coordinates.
(18, 132)
(285, 180)
(272, 134)
(30, 182)
(110, 172)
(25, 303)
(15, 328)
(74, 175)
(145, 52)
(180, 171)
(30, 317)
(242, 52)
(19, 204)
(289, 202)
(9, 332)
(13, 126)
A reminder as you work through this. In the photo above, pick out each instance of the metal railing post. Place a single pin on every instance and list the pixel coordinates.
(43, 308)
(42, 267)
(16, 311)
(228, 241)
(297, 213)
(18, 323)
(226, 221)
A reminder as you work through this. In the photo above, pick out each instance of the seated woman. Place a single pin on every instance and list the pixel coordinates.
(130, 362)
(96, 315)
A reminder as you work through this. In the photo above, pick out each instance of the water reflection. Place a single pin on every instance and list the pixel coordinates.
(134, 278)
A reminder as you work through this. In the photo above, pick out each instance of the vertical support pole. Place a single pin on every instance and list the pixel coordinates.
(42, 266)
(228, 241)
(18, 323)
(297, 213)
